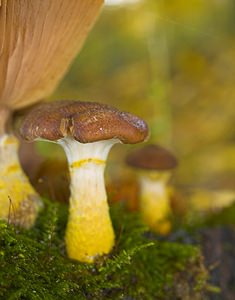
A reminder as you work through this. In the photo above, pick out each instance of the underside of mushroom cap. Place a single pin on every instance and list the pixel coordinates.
(38, 41)
(86, 122)
(152, 157)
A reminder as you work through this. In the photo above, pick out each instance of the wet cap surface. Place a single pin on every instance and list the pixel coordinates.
(84, 121)
(152, 157)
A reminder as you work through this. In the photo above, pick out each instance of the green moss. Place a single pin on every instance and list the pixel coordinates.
(225, 217)
(33, 264)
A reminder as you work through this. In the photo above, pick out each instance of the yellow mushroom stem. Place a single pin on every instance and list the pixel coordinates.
(19, 203)
(154, 200)
(89, 230)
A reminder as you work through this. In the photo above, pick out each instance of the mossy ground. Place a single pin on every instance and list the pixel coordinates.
(33, 264)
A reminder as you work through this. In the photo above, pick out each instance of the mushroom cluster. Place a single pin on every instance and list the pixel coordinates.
(86, 131)
(38, 41)
(154, 164)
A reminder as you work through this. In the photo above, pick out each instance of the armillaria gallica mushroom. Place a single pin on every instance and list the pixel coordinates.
(154, 165)
(38, 41)
(86, 131)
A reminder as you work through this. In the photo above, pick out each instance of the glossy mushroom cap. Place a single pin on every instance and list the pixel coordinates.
(152, 157)
(86, 122)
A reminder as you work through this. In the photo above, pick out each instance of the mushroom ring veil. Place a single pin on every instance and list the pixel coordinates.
(38, 41)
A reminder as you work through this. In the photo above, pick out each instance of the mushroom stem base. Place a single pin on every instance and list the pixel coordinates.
(19, 203)
(89, 230)
(89, 234)
(154, 205)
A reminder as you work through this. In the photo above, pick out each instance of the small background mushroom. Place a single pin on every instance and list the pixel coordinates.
(154, 165)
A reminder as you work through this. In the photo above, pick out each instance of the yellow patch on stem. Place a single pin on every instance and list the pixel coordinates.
(12, 168)
(80, 163)
(10, 140)
(89, 232)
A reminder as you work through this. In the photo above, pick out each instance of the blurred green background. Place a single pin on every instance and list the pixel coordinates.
(171, 62)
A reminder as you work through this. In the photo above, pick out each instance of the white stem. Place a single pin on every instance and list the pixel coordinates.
(19, 203)
(154, 203)
(89, 230)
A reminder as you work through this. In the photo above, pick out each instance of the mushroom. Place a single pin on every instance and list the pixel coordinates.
(19, 203)
(154, 164)
(38, 41)
(86, 131)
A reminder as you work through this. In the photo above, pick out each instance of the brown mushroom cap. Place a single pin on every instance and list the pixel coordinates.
(86, 122)
(152, 157)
